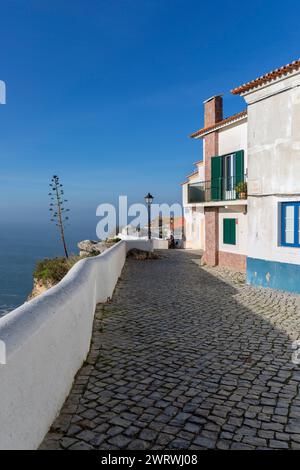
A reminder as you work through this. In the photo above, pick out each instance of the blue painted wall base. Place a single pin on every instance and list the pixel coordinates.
(281, 276)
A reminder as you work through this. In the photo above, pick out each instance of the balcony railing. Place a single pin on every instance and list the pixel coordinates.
(218, 189)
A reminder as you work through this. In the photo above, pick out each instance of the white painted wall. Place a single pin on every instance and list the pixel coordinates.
(231, 139)
(236, 212)
(274, 164)
(264, 231)
(201, 171)
(274, 138)
(47, 340)
(194, 227)
(184, 194)
(194, 215)
(234, 138)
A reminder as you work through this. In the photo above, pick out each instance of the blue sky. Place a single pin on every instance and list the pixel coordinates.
(105, 93)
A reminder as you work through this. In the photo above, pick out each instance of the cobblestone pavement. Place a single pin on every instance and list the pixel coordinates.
(186, 358)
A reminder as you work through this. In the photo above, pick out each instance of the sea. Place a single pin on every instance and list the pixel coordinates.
(20, 249)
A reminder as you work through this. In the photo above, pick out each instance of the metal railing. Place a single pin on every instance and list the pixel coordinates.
(218, 189)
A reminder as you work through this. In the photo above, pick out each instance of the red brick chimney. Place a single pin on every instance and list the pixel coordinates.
(213, 110)
(213, 113)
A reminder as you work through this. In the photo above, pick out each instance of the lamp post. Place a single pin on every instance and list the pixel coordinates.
(149, 198)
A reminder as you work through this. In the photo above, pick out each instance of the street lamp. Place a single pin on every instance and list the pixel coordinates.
(149, 199)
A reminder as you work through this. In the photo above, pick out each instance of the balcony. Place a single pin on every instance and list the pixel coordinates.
(219, 189)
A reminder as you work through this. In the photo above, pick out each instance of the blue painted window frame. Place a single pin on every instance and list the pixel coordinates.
(296, 206)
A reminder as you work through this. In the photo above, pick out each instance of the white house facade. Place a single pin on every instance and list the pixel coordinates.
(215, 198)
(273, 253)
(249, 197)
(194, 229)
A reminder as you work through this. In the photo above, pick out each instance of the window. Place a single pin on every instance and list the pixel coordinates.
(290, 224)
(229, 231)
(196, 192)
(227, 171)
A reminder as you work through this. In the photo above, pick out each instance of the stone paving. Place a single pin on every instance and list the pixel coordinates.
(186, 357)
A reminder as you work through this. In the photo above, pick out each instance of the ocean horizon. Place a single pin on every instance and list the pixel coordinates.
(19, 252)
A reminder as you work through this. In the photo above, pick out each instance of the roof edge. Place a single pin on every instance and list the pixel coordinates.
(263, 79)
(218, 125)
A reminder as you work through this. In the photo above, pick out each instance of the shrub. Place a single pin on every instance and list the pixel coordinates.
(54, 269)
(241, 187)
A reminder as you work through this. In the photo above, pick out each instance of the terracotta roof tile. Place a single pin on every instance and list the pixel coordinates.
(193, 174)
(228, 120)
(267, 77)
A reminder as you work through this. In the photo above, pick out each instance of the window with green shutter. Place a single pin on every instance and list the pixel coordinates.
(227, 171)
(229, 231)
(239, 167)
(216, 178)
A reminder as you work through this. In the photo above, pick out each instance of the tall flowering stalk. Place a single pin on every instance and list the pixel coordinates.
(58, 210)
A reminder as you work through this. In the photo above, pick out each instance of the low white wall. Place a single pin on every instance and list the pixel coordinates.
(47, 340)
(160, 244)
(156, 243)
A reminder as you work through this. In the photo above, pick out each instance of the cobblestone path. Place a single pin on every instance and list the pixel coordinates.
(186, 358)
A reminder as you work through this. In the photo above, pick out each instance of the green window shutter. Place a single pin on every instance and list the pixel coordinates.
(216, 178)
(229, 231)
(239, 167)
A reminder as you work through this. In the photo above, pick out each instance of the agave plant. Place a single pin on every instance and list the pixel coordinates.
(58, 209)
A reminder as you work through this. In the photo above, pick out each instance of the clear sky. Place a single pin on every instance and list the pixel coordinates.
(106, 93)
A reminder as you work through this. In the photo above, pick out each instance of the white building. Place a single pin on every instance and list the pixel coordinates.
(273, 247)
(193, 210)
(247, 193)
(215, 195)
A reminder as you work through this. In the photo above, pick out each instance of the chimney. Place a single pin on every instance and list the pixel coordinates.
(213, 113)
(213, 110)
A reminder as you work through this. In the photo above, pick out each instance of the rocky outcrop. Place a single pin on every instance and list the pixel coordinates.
(57, 268)
(39, 286)
(92, 248)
